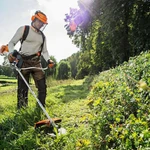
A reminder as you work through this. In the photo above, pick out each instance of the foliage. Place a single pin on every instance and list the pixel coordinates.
(7, 71)
(63, 70)
(120, 106)
(73, 60)
(83, 65)
(111, 32)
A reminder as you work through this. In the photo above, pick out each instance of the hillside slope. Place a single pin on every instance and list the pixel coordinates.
(120, 103)
(106, 111)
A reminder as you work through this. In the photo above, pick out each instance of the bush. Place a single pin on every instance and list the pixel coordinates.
(120, 106)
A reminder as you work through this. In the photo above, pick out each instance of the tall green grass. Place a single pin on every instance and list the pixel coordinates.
(65, 99)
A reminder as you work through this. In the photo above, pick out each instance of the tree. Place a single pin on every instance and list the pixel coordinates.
(114, 31)
(63, 70)
(83, 66)
(7, 71)
(73, 61)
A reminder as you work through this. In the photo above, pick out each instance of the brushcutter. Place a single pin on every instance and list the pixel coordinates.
(50, 122)
(16, 63)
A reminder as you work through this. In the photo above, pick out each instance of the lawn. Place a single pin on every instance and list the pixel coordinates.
(66, 100)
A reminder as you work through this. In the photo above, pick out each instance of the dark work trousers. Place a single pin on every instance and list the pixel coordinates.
(40, 81)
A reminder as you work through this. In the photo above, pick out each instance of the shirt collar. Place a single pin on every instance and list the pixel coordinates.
(35, 29)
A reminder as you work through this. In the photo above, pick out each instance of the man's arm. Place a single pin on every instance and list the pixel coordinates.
(15, 39)
(45, 53)
(47, 56)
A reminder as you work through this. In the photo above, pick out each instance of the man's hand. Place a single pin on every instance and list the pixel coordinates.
(12, 56)
(50, 63)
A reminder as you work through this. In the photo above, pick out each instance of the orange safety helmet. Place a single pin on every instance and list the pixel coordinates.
(41, 16)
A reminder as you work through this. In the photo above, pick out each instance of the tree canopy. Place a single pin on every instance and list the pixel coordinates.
(109, 32)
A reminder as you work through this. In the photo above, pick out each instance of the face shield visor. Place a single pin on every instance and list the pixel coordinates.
(41, 20)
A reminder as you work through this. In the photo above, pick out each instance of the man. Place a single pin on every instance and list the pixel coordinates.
(31, 49)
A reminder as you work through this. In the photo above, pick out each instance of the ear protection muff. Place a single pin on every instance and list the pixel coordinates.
(41, 16)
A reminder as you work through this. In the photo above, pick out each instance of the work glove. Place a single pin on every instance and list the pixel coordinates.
(51, 63)
(12, 56)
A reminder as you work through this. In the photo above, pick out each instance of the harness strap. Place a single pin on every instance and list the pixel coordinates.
(43, 37)
(25, 34)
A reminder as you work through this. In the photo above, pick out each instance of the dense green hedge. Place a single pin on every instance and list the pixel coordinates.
(120, 102)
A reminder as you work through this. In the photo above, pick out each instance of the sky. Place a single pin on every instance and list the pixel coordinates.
(16, 13)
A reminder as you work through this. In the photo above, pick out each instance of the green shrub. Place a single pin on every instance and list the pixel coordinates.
(120, 106)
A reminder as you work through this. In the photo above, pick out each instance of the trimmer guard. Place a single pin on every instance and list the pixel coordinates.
(46, 122)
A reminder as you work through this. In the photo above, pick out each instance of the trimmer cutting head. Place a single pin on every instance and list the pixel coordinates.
(48, 127)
